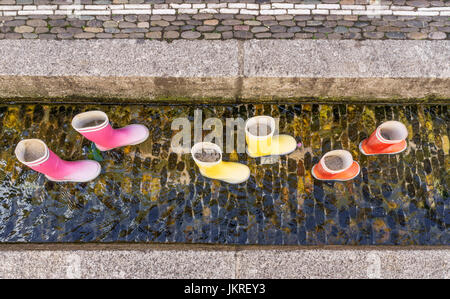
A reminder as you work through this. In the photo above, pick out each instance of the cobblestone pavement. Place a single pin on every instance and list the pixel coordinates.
(147, 193)
(195, 19)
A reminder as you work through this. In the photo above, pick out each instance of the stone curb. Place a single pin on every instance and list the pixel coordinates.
(227, 262)
(145, 71)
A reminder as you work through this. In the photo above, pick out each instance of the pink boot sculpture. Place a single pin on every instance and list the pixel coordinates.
(95, 126)
(35, 154)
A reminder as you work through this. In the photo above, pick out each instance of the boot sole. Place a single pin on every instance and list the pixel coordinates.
(99, 170)
(331, 180)
(365, 154)
(282, 154)
(229, 182)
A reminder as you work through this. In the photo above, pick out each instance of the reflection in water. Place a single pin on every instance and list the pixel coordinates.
(146, 193)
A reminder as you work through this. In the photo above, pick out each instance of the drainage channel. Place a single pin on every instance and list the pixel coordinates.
(148, 193)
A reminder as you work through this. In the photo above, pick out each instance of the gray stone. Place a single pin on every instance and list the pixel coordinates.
(127, 25)
(153, 35)
(227, 34)
(418, 3)
(374, 35)
(283, 35)
(40, 30)
(277, 29)
(111, 30)
(263, 35)
(212, 35)
(395, 35)
(36, 23)
(190, 34)
(171, 34)
(110, 24)
(243, 34)
(437, 35)
(161, 23)
(23, 29)
(84, 35)
(205, 28)
(65, 35)
(131, 18)
(15, 23)
(30, 35)
(294, 29)
(341, 29)
(47, 36)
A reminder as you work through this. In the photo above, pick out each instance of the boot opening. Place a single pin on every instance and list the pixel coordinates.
(393, 131)
(206, 153)
(334, 162)
(31, 150)
(260, 126)
(260, 129)
(337, 160)
(89, 120)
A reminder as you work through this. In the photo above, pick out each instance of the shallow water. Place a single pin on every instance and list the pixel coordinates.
(146, 193)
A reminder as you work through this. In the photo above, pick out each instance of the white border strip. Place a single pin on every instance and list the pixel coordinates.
(222, 8)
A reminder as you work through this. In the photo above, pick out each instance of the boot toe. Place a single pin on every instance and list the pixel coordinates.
(236, 173)
(139, 134)
(86, 171)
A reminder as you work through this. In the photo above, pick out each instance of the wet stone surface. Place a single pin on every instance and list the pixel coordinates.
(147, 193)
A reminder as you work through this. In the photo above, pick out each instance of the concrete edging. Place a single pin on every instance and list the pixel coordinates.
(220, 261)
(150, 71)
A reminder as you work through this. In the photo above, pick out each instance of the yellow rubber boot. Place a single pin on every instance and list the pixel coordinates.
(208, 157)
(259, 134)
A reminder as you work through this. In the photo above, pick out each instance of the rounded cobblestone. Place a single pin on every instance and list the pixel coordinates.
(190, 34)
(23, 29)
(437, 35)
(417, 35)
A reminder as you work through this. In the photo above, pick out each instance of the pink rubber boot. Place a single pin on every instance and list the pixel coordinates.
(35, 154)
(95, 126)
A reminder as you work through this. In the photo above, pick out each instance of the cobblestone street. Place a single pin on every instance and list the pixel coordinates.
(249, 19)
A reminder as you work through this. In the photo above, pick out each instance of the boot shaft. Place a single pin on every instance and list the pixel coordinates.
(259, 132)
(387, 137)
(95, 126)
(35, 154)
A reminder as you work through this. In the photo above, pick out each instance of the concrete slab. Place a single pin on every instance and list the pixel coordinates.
(344, 264)
(121, 58)
(346, 59)
(117, 264)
